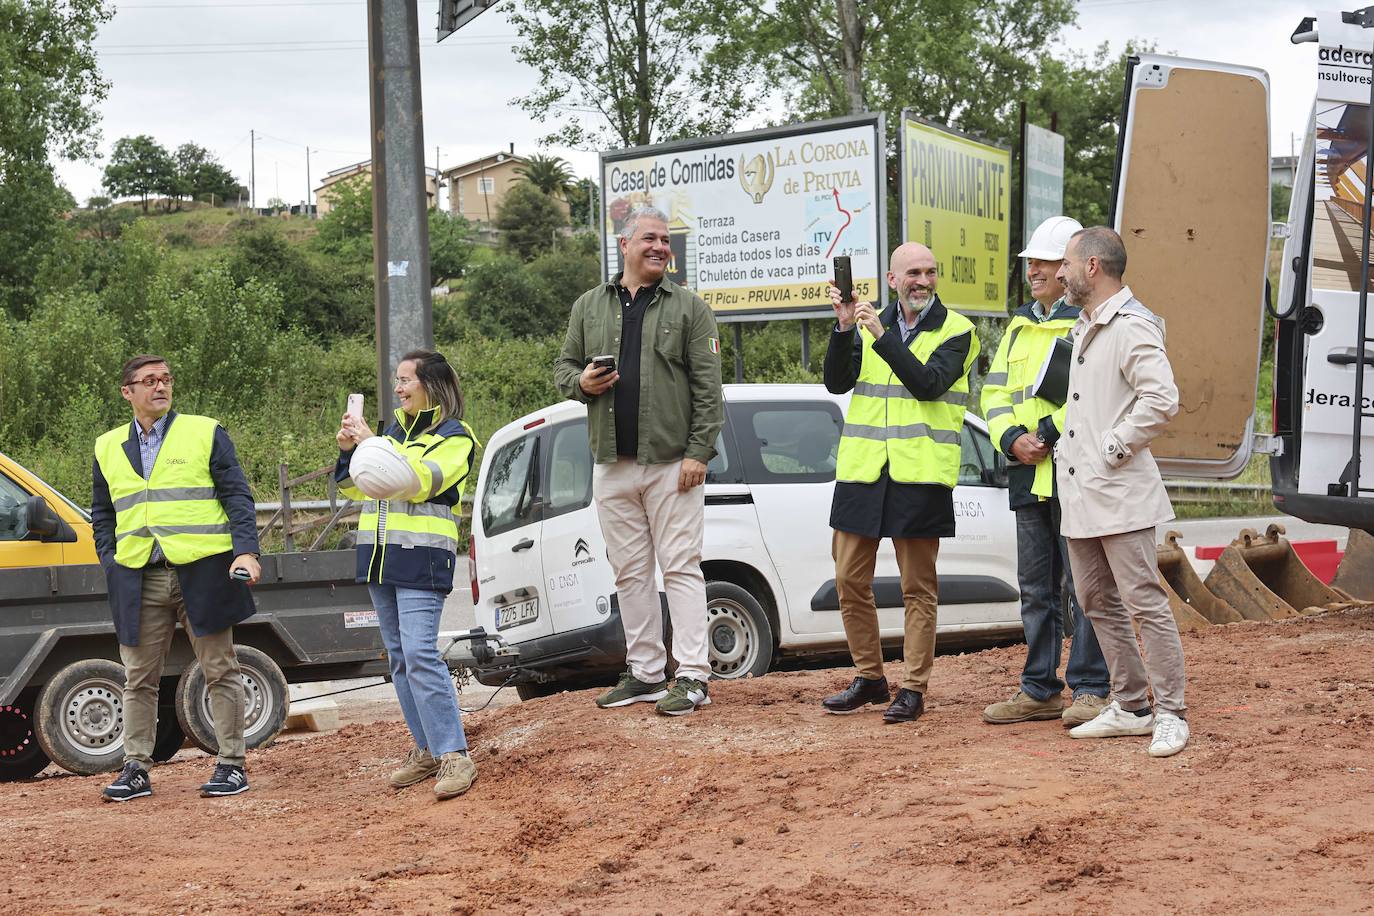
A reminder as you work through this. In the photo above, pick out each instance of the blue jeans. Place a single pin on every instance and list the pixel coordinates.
(1041, 557)
(409, 621)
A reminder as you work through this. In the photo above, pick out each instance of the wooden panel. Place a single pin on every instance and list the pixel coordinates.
(1195, 220)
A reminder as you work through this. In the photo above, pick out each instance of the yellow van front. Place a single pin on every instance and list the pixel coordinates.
(20, 547)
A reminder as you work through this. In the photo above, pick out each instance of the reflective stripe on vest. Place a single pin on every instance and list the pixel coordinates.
(886, 426)
(176, 507)
(1029, 344)
(402, 524)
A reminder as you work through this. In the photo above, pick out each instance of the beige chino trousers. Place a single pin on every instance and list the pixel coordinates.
(644, 519)
(1117, 580)
(162, 607)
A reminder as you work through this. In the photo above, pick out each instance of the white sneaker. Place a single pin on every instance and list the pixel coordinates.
(1171, 735)
(1114, 722)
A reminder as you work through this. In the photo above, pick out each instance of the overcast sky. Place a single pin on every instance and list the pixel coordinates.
(295, 72)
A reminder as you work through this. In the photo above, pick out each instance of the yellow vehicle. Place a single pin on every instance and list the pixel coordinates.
(38, 525)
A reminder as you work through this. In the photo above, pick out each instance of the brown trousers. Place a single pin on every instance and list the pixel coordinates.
(855, 557)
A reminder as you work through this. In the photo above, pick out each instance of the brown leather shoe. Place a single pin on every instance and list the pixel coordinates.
(907, 707)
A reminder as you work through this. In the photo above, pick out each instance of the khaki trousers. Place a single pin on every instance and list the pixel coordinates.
(1117, 580)
(643, 518)
(162, 607)
(855, 557)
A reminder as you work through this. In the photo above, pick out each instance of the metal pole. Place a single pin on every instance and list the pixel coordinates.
(309, 207)
(253, 171)
(400, 225)
(806, 344)
(1362, 337)
(739, 353)
(1020, 272)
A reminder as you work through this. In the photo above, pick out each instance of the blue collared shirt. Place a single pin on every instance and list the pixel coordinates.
(149, 444)
(906, 329)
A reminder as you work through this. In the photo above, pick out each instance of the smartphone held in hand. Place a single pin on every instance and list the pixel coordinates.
(844, 278)
(355, 406)
(604, 362)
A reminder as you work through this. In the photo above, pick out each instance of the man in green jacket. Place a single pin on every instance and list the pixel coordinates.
(652, 420)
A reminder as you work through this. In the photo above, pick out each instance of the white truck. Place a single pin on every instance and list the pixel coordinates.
(542, 583)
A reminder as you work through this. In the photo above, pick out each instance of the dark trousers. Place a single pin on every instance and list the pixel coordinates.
(1042, 560)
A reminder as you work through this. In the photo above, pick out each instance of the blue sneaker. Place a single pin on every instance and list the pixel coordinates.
(226, 780)
(133, 782)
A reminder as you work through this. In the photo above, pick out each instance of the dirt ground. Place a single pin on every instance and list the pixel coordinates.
(761, 804)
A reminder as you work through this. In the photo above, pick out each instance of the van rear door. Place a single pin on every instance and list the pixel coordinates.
(1191, 201)
(508, 528)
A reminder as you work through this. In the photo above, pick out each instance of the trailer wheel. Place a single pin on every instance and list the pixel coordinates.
(739, 635)
(266, 702)
(80, 717)
(20, 754)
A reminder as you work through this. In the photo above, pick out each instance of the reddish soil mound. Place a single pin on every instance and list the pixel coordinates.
(762, 804)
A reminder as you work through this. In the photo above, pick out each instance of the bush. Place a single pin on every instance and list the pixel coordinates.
(530, 221)
(503, 299)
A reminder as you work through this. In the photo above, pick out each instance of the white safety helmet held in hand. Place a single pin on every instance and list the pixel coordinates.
(382, 472)
(1050, 238)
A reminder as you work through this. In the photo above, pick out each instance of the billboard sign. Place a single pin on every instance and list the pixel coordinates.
(1043, 194)
(956, 200)
(755, 218)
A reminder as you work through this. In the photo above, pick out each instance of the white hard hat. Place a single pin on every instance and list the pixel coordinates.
(1050, 238)
(382, 472)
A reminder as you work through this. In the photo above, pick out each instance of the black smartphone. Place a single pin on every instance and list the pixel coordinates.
(604, 362)
(844, 277)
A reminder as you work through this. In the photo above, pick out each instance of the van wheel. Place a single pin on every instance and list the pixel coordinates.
(266, 702)
(739, 635)
(20, 754)
(80, 717)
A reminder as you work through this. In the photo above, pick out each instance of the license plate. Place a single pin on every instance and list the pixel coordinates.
(512, 615)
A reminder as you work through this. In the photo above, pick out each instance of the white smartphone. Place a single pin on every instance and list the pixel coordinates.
(355, 406)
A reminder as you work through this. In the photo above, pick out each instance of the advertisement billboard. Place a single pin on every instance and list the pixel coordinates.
(1043, 195)
(955, 200)
(755, 218)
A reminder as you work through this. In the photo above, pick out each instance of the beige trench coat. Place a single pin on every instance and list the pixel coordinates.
(1121, 396)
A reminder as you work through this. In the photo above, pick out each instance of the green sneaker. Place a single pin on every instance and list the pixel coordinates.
(630, 689)
(685, 696)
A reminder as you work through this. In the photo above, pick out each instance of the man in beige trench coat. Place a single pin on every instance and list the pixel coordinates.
(1121, 396)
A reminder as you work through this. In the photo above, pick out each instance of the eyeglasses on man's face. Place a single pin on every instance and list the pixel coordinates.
(151, 381)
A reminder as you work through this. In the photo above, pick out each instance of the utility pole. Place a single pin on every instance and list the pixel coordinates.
(400, 222)
(438, 176)
(253, 171)
(309, 207)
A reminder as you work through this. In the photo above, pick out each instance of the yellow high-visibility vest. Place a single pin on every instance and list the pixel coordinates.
(176, 506)
(918, 441)
(1008, 391)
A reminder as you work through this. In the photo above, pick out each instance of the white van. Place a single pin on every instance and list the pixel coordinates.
(542, 583)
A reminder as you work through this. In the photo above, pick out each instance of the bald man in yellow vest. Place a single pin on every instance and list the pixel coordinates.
(897, 465)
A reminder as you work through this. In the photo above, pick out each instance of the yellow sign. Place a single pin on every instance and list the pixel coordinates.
(955, 200)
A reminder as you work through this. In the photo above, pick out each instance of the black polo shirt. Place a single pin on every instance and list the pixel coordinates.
(626, 391)
(885, 508)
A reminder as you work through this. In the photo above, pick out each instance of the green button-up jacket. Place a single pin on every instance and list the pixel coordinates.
(680, 406)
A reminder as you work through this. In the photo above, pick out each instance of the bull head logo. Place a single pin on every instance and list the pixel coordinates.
(756, 177)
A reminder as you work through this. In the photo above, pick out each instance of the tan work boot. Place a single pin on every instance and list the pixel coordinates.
(419, 764)
(1084, 709)
(1023, 708)
(456, 773)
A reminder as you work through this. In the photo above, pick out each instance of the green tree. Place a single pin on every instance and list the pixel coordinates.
(1280, 198)
(644, 70)
(100, 220)
(530, 221)
(346, 230)
(50, 92)
(140, 166)
(201, 177)
(450, 246)
(549, 174)
(582, 202)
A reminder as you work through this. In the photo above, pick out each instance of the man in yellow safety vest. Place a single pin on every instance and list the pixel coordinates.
(173, 519)
(1025, 428)
(897, 465)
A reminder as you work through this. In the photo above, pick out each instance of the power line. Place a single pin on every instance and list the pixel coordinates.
(249, 49)
(303, 42)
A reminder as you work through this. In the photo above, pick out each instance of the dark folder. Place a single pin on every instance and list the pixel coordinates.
(1052, 383)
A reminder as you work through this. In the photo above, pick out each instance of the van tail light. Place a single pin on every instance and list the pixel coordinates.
(472, 567)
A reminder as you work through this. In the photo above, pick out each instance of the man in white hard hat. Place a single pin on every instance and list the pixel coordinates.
(1025, 428)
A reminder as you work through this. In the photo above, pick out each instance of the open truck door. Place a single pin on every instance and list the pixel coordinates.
(1191, 202)
(1319, 414)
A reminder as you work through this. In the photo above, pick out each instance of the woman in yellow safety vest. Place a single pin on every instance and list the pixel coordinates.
(407, 549)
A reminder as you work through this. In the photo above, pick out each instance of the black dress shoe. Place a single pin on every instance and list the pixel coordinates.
(856, 696)
(907, 707)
